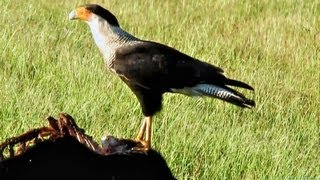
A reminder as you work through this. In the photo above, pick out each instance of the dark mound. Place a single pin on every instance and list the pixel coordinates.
(66, 156)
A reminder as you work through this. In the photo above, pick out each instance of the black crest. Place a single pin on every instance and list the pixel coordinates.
(102, 12)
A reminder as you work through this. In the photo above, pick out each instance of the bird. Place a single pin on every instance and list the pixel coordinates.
(151, 69)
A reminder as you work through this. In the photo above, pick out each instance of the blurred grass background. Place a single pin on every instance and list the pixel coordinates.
(49, 64)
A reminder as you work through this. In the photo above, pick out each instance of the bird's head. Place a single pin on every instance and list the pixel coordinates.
(88, 12)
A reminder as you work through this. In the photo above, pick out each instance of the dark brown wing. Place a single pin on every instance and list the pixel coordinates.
(152, 65)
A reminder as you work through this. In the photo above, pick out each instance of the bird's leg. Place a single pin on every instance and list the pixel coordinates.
(149, 132)
(142, 130)
(146, 129)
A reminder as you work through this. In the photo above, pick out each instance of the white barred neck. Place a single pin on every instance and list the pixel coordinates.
(108, 38)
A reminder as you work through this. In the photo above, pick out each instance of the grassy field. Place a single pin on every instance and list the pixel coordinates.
(49, 64)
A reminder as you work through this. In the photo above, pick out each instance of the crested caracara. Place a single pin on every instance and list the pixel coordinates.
(151, 69)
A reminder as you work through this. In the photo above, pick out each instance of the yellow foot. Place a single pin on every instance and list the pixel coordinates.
(142, 145)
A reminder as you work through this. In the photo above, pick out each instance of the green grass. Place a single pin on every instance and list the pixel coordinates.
(49, 64)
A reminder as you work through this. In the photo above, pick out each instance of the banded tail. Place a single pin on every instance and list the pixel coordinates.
(226, 93)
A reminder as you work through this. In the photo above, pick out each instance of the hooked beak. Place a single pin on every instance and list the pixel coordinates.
(80, 13)
(73, 15)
